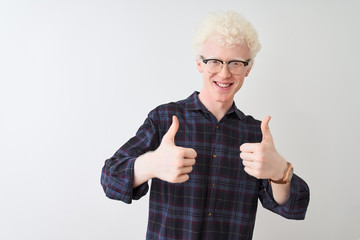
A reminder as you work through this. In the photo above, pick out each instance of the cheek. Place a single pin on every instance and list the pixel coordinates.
(240, 82)
(208, 76)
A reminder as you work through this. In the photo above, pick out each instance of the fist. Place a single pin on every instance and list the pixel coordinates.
(261, 160)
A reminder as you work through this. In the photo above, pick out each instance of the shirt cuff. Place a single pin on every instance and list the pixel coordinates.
(296, 206)
(119, 185)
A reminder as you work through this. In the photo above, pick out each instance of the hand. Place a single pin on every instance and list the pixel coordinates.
(172, 163)
(261, 160)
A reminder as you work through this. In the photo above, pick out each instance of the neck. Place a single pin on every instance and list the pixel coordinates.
(218, 109)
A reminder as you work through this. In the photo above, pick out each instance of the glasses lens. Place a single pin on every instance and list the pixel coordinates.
(236, 67)
(214, 66)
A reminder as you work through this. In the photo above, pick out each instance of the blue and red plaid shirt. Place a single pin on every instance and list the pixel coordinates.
(220, 199)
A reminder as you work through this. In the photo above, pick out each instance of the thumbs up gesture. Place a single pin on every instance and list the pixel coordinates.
(261, 160)
(172, 163)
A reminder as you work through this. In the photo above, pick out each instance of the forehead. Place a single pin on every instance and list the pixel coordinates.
(212, 48)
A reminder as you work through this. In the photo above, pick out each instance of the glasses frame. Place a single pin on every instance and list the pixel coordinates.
(246, 63)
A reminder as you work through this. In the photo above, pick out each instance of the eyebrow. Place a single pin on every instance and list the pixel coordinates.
(234, 59)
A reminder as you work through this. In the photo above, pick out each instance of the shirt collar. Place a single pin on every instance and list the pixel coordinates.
(193, 103)
(239, 113)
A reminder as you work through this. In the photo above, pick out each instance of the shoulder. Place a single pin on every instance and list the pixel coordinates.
(161, 116)
(247, 120)
(167, 110)
(251, 121)
(172, 107)
(251, 127)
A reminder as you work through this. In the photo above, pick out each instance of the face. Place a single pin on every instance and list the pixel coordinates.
(222, 86)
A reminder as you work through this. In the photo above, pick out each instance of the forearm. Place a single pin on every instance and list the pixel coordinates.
(281, 192)
(142, 169)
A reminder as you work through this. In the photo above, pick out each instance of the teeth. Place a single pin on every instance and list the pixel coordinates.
(223, 85)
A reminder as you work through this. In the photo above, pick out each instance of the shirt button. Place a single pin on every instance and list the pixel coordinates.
(209, 214)
(214, 155)
(213, 184)
(217, 126)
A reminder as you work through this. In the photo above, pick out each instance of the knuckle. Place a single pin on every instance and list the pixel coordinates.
(261, 167)
(178, 153)
(261, 148)
(174, 179)
(171, 180)
(257, 174)
(261, 158)
(179, 163)
(186, 177)
(242, 147)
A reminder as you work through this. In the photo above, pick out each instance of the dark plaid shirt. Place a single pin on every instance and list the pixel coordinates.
(220, 199)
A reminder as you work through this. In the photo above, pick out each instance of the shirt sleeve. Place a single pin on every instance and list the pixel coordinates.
(295, 207)
(118, 172)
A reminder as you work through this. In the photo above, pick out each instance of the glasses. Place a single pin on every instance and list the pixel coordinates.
(216, 65)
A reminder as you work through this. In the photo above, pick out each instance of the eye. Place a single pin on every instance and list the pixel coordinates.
(214, 61)
(235, 64)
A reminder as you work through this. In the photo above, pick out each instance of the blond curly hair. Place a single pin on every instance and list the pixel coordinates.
(229, 29)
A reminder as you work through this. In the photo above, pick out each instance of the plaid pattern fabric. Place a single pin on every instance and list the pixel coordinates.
(219, 201)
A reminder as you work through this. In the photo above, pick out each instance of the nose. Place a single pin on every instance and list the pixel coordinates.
(224, 73)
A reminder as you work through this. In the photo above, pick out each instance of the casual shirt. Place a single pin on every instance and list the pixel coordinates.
(220, 199)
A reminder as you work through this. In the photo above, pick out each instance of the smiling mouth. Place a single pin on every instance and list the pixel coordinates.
(223, 85)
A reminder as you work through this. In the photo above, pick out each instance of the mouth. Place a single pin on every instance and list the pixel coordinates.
(223, 85)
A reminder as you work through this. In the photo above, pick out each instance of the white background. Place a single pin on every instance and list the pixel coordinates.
(79, 77)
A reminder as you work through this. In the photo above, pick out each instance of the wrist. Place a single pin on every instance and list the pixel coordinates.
(281, 170)
(143, 167)
(151, 164)
(287, 175)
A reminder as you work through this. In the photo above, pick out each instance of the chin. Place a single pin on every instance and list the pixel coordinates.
(224, 99)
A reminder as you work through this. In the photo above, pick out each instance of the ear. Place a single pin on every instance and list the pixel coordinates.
(248, 70)
(199, 66)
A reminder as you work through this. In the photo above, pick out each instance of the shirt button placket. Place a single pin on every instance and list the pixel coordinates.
(212, 184)
(214, 156)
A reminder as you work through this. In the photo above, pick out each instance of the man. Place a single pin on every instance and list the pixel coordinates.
(209, 163)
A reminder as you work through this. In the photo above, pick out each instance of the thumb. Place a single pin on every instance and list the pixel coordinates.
(170, 135)
(265, 130)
